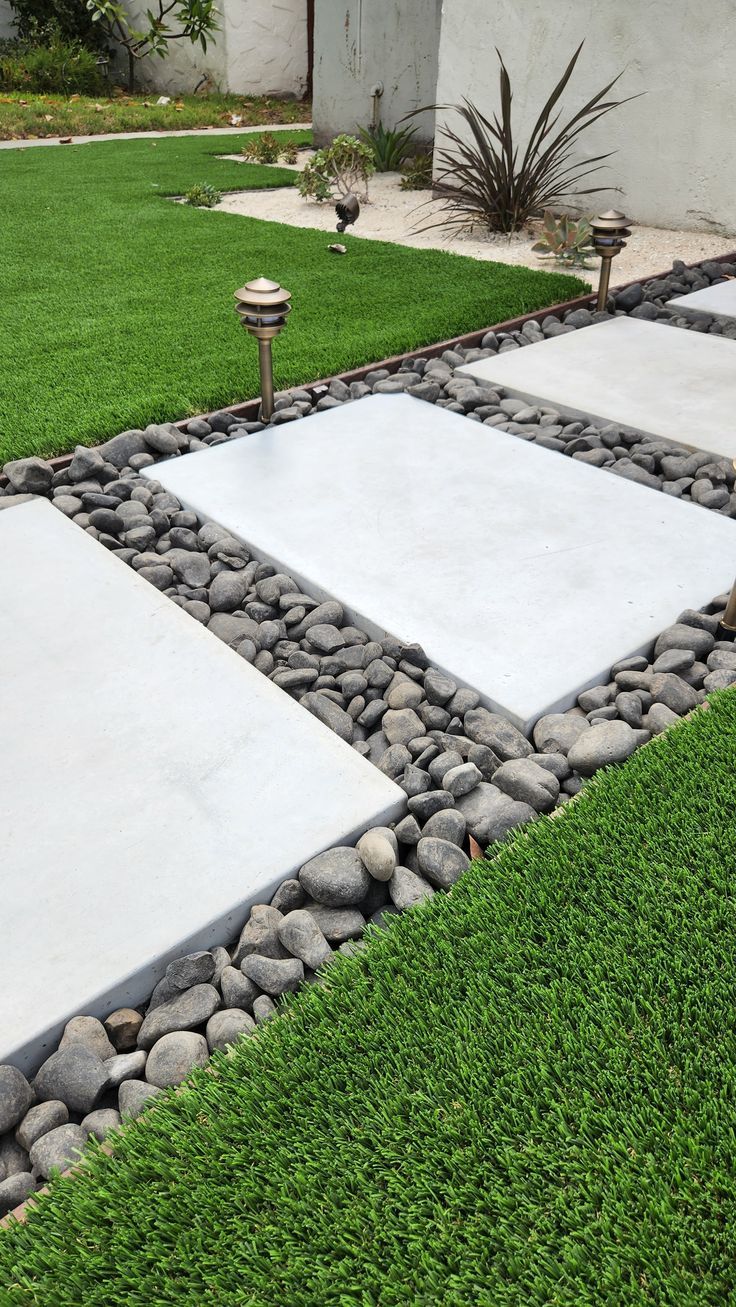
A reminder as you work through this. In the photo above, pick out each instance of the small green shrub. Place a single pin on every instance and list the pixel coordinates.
(203, 195)
(60, 65)
(417, 173)
(264, 148)
(390, 146)
(267, 148)
(338, 169)
(568, 242)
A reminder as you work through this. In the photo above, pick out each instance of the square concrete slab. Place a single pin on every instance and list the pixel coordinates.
(678, 385)
(524, 574)
(152, 783)
(717, 301)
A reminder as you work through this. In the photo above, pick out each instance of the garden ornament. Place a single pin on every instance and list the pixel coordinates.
(347, 210)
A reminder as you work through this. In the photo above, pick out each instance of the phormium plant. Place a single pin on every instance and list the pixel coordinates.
(481, 178)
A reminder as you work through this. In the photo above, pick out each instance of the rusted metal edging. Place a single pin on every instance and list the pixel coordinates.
(248, 409)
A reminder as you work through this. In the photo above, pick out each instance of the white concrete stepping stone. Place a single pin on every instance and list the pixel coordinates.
(717, 301)
(677, 385)
(524, 574)
(152, 783)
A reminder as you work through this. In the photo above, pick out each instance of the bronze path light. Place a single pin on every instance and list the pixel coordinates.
(262, 307)
(608, 231)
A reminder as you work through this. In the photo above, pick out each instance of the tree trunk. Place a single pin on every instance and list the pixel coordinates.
(131, 72)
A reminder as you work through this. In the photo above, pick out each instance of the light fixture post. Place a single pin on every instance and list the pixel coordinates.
(265, 367)
(727, 627)
(608, 231)
(262, 307)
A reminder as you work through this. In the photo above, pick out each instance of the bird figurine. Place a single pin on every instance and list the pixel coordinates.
(347, 210)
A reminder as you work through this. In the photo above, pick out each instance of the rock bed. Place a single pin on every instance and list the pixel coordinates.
(465, 771)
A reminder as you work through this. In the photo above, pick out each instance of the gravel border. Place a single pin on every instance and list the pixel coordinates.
(659, 464)
(466, 772)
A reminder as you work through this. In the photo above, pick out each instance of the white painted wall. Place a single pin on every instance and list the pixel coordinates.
(674, 146)
(358, 43)
(266, 46)
(184, 65)
(6, 21)
(261, 49)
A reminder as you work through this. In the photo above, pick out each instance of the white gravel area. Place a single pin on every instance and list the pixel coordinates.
(394, 215)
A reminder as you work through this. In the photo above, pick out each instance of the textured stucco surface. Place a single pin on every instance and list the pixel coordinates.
(358, 43)
(672, 145)
(6, 21)
(261, 49)
(266, 44)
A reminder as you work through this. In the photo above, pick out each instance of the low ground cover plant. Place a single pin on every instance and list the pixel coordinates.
(567, 240)
(133, 305)
(203, 195)
(520, 1094)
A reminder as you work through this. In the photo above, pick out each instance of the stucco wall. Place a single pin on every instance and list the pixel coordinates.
(261, 49)
(674, 145)
(266, 46)
(6, 21)
(358, 43)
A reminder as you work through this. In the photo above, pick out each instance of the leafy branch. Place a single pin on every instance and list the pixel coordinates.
(196, 21)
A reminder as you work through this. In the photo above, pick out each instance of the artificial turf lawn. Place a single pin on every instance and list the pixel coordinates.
(521, 1094)
(118, 308)
(23, 114)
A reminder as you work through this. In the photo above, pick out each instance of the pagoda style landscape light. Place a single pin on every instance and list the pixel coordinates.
(608, 230)
(262, 306)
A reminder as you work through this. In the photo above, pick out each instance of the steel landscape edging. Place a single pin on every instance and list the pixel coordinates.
(249, 409)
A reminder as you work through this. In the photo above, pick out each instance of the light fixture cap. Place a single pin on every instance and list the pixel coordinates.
(609, 229)
(262, 306)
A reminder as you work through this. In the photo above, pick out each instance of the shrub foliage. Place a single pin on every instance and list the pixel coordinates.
(70, 19)
(57, 65)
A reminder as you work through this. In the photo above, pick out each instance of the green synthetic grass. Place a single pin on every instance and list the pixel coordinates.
(520, 1095)
(117, 305)
(23, 114)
